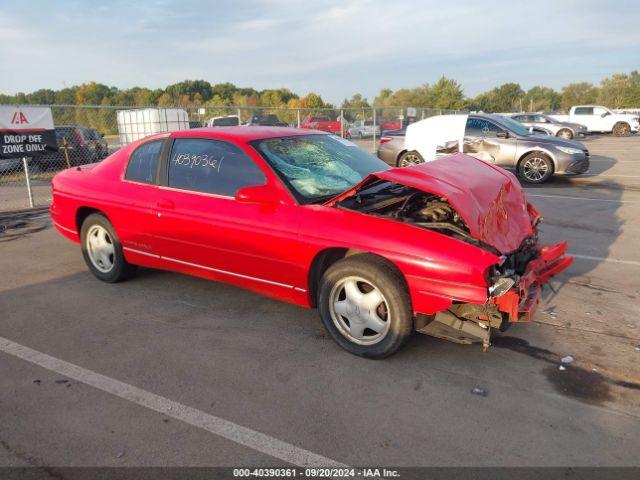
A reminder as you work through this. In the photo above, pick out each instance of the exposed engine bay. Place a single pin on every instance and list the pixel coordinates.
(462, 322)
(407, 204)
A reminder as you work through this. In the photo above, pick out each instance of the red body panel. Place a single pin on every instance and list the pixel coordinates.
(330, 126)
(490, 200)
(270, 249)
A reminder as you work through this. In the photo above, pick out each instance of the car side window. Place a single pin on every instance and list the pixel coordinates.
(583, 111)
(520, 118)
(211, 166)
(479, 127)
(143, 164)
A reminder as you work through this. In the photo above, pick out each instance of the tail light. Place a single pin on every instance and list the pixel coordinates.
(385, 140)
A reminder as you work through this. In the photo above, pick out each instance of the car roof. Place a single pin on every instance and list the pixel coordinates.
(244, 134)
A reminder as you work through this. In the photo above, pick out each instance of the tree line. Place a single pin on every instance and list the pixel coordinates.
(621, 90)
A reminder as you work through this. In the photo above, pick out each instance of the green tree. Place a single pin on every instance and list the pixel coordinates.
(190, 88)
(447, 94)
(620, 90)
(541, 98)
(578, 94)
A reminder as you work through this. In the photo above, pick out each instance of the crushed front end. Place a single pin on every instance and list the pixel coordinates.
(486, 207)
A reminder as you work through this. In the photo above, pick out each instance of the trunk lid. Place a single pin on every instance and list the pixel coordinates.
(489, 199)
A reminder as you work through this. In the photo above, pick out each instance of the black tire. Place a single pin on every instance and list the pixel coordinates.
(525, 170)
(410, 158)
(121, 269)
(621, 129)
(565, 133)
(385, 277)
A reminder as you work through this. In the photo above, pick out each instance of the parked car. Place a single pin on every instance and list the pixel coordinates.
(539, 122)
(386, 124)
(363, 129)
(600, 119)
(322, 123)
(224, 121)
(10, 165)
(83, 145)
(270, 120)
(310, 218)
(492, 138)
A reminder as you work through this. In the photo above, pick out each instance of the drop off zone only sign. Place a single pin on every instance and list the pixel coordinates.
(26, 131)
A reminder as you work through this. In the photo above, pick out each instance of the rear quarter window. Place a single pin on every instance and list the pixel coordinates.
(143, 163)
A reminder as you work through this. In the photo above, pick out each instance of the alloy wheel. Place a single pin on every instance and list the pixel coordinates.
(410, 159)
(535, 169)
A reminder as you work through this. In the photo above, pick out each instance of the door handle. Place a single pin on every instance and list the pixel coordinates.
(166, 204)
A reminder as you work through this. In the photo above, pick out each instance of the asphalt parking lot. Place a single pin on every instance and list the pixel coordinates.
(167, 369)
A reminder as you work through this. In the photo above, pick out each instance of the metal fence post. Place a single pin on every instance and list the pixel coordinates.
(239, 116)
(27, 176)
(298, 111)
(342, 123)
(374, 131)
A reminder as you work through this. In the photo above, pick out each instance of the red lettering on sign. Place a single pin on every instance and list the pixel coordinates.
(19, 117)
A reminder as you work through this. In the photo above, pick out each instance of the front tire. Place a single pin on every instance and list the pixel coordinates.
(535, 168)
(102, 250)
(365, 306)
(565, 133)
(621, 129)
(408, 159)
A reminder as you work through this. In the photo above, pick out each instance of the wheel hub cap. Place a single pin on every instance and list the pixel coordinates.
(100, 248)
(359, 311)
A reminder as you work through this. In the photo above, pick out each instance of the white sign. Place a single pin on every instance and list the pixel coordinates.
(26, 131)
(412, 112)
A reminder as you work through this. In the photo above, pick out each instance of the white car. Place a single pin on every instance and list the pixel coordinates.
(600, 119)
(541, 123)
(363, 128)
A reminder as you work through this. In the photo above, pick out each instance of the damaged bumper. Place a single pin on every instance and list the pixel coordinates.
(521, 301)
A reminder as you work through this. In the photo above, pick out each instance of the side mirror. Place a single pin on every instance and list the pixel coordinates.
(604, 114)
(257, 195)
(502, 134)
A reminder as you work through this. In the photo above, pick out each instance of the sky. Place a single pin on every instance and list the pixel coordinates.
(334, 48)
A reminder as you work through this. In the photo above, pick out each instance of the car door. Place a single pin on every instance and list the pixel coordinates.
(135, 217)
(482, 141)
(602, 119)
(202, 226)
(585, 116)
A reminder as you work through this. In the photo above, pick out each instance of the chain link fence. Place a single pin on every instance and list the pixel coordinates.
(88, 134)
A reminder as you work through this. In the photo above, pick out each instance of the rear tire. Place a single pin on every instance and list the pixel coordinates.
(408, 159)
(535, 168)
(565, 133)
(102, 250)
(365, 306)
(621, 129)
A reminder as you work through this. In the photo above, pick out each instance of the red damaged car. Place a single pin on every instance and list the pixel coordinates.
(447, 248)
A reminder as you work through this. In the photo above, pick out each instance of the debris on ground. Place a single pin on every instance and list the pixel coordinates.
(37, 382)
(567, 359)
(637, 348)
(479, 391)
(562, 368)
(120, 454)
(62, 381)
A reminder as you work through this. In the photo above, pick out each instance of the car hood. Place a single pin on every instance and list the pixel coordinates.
(490, 200)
